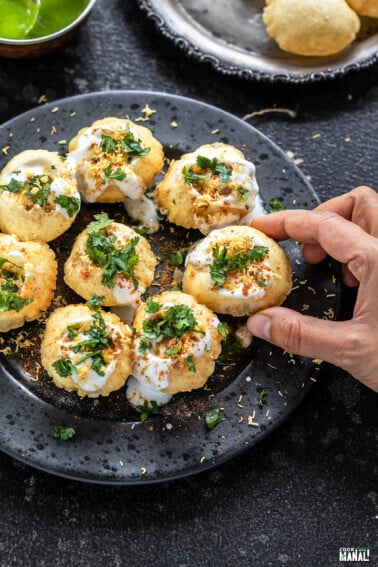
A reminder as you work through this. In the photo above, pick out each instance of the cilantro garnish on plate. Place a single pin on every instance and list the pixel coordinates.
(204, 169)
(128, 144)
(112, 260)
(223, 264)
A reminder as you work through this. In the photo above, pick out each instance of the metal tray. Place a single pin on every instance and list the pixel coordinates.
(232, 37)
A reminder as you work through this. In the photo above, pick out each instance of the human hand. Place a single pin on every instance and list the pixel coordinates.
(345, 228)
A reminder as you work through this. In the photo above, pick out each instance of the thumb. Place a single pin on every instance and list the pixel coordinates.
(301, 334)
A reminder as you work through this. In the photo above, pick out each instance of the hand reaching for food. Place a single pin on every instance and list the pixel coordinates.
(346, 228)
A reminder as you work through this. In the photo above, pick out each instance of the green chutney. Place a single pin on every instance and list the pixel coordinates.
(55, 15)
(17, 17)
(26, 19)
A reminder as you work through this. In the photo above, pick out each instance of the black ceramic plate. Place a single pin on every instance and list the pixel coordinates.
(111, 444)
(232, 37)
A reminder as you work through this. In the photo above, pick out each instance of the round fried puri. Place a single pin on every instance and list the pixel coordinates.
(365, 7)
(211, 187)
(85, 351)
(28, 273)
(39, 199)
(114, 159)
(310, 27)
(176, 343)
(237, 270)
(86, 276)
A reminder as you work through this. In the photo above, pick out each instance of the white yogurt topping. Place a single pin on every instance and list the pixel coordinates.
(201, 257)
(231, 207)
(124, 290)
(86, 377)
(138, 393)
(16, 255)
(23, 171)
(152, 368)
(143, 210)
(59, 187)
(132, 186)
(257, 211)
(41, 167)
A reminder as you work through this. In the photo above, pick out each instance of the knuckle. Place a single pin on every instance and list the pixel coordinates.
(364, 261)
(291, 335)
(353, 353)
(364, 192)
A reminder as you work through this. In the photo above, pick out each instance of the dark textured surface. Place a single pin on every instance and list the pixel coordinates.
(309, 488)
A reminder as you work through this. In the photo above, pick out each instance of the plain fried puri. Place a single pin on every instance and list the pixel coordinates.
(237, 270)
(310, 27)
(86, 350)
(110, 259)
(28, 273)
(365, 7)
(114, 159)
(176, 343)
(39, 199)
(211, 187)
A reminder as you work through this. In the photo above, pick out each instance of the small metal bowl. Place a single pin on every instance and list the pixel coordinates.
(21, 48)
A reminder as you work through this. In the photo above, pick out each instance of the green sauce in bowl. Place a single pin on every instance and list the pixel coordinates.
(55, 15)
(28, 19)
(17, 17)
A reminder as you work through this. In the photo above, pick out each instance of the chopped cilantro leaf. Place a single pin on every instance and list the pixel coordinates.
(13, 186)
(116, 174)
(9, 286)
(223, 264)
(207, 168)
(63, 433)
(190, 363)
(72, 330)
(95, 302)
(103, 253)
(108, 144)
(212, 418)
(143, 346)
(176, 258)
(152, 306)
(262, 395)
(11, 301)
(276, 205)
(147, 409)
(174, 322)
(102, 221)
(37, 188)
(96, 339)
(192, 178)
(128, 144)
(243, 193)
(173, 351)
(70, 204)
(223, 330)
(131, 145)
(64, 367)
(141, 230)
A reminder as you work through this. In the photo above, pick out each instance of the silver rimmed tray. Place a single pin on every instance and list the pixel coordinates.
(232, 37)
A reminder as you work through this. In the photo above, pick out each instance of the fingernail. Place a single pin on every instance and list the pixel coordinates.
(259, 325)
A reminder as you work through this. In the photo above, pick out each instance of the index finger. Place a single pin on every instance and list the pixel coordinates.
(359, 205)
(340, 238)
